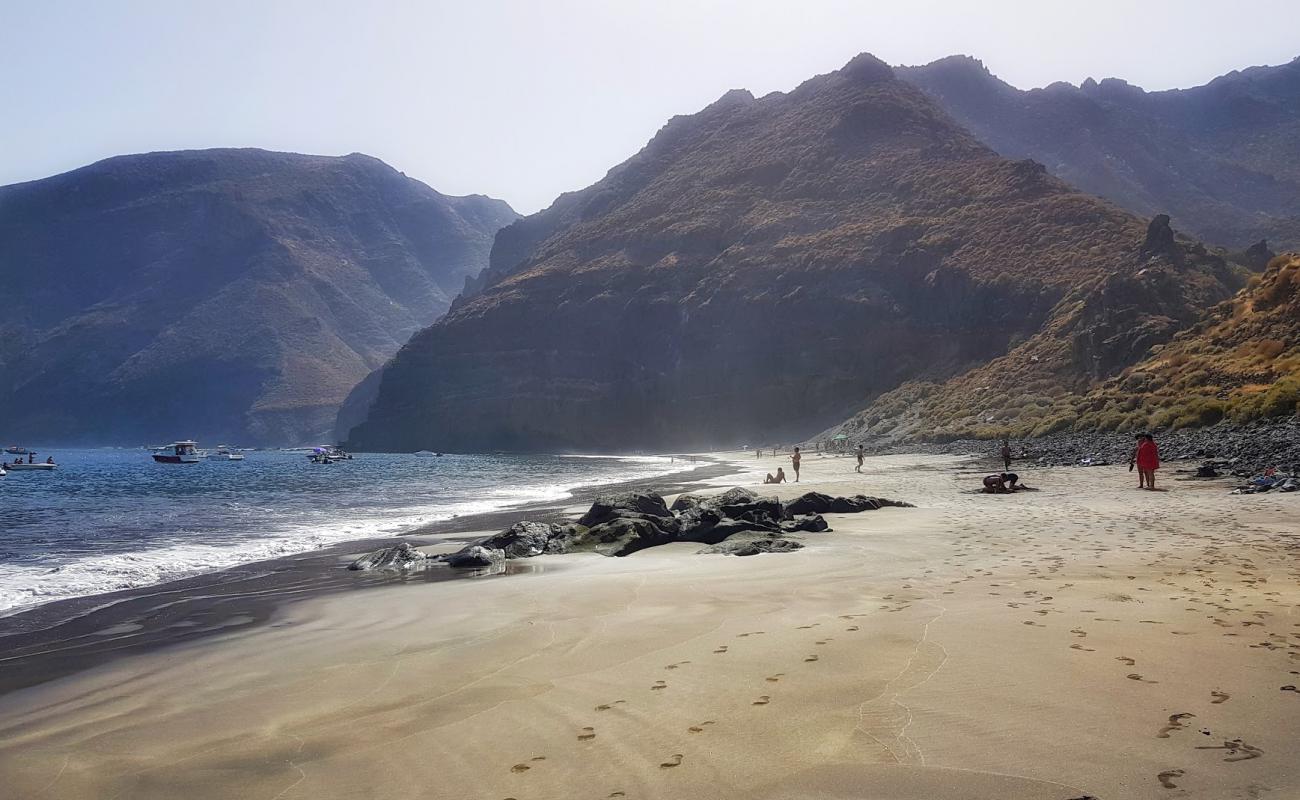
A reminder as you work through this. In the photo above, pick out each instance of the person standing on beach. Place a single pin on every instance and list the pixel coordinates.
(861, 455)
(1147, 458)
(1006, 454)
(795, 458)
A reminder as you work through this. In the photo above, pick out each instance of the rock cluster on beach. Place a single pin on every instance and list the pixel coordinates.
(736, 522)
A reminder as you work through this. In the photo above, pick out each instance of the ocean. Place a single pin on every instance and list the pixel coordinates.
(110, 519)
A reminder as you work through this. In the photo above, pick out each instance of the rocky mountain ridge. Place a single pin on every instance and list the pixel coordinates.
(232, 295)
(769, 263)
(1222, 159)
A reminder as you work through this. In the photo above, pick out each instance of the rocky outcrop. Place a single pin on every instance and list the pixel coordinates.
(475, 557)
(758, 270)
(228, 295)
(397, 558)
(1221, 159)
(622, 524)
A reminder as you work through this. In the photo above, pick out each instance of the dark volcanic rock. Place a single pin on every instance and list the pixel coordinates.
(620, 536)
(812, 523)
(524, 539)
(227, 295)
(475, 556)
(396, 558)
(747, 545)
(638, 505)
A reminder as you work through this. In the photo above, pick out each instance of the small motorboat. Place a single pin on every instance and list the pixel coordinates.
(186, 452)
(16, 450)
(328, 454)
(224, 453)
(22, 467)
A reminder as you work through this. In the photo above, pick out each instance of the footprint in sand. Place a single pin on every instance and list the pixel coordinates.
(1219, 697)
(1077, 646)
(722, 648)
(674, 761)
(1166, 778)
(700, 728)
(1079, 632)
(1237, 750)
(1126, 660)
(587, 734)
(1133, 676)
(811, 658)
(774, 678)
(1031, 623)
(659, 685)
(612, 795)
(852, 628)
(823, 641)
(1175, 724)
(751, 633)
(677, 665)
(762, 700)
(608, 706)
(806, 627)
(1290, 687)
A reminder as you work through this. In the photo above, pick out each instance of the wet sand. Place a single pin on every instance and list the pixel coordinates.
(1084, 640)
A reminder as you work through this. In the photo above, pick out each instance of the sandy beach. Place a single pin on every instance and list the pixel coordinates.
(1084, 640)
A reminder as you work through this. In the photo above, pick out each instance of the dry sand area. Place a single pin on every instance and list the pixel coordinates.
(1085, 640)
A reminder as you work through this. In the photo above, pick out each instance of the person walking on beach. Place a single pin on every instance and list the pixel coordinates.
(1006, 454)
(795, 458)
(861, 454)
(1146, 456)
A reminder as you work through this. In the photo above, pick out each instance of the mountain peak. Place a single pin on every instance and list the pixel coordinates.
(866, 68)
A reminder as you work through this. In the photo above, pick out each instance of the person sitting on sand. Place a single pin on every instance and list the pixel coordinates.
(795, 458)
(780, 476)
(1147, 458)
(861, 454)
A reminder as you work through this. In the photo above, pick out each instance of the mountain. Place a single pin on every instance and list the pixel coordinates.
(767, 266)
(1223, 159)
(231, 295)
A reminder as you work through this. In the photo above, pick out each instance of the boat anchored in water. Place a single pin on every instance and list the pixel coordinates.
(224, 453)
(186, 452)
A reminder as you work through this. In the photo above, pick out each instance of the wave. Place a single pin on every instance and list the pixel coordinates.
(24, 586)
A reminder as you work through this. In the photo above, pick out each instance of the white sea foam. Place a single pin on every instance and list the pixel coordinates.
(23, 586)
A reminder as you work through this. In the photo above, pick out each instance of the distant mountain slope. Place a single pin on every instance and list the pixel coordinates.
(766, 266)
(228, 294)
(1223, 159)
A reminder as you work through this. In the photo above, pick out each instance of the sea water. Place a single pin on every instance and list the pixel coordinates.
(114, 519)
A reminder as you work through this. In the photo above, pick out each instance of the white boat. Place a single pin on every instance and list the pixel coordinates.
(20, 466)
(186, 452)
(224, 453)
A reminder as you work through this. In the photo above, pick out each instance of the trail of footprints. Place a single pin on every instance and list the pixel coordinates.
(589, 732)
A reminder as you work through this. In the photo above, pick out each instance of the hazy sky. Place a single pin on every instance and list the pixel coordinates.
(524, 100)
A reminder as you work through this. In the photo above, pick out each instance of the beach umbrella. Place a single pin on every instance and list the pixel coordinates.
(840, 436)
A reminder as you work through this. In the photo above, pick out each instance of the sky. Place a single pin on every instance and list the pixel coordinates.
(525, 100)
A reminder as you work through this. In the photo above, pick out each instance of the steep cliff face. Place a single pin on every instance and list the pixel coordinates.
(1099, 329)
(761, 268)
(227, 294)
(1223, 159)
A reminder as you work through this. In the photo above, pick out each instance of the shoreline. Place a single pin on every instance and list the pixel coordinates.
(1086, 639)
(63, 637)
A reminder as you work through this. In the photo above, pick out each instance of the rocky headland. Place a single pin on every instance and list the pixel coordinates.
(229, 295)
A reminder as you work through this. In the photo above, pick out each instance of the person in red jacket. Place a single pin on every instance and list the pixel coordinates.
(1147, 458)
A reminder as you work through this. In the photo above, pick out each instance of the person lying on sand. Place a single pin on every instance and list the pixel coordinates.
(780, 477)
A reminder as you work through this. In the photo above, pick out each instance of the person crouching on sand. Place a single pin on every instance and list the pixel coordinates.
(1147, 458)
(795, 458)
(1004, 483)
(780, 477)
